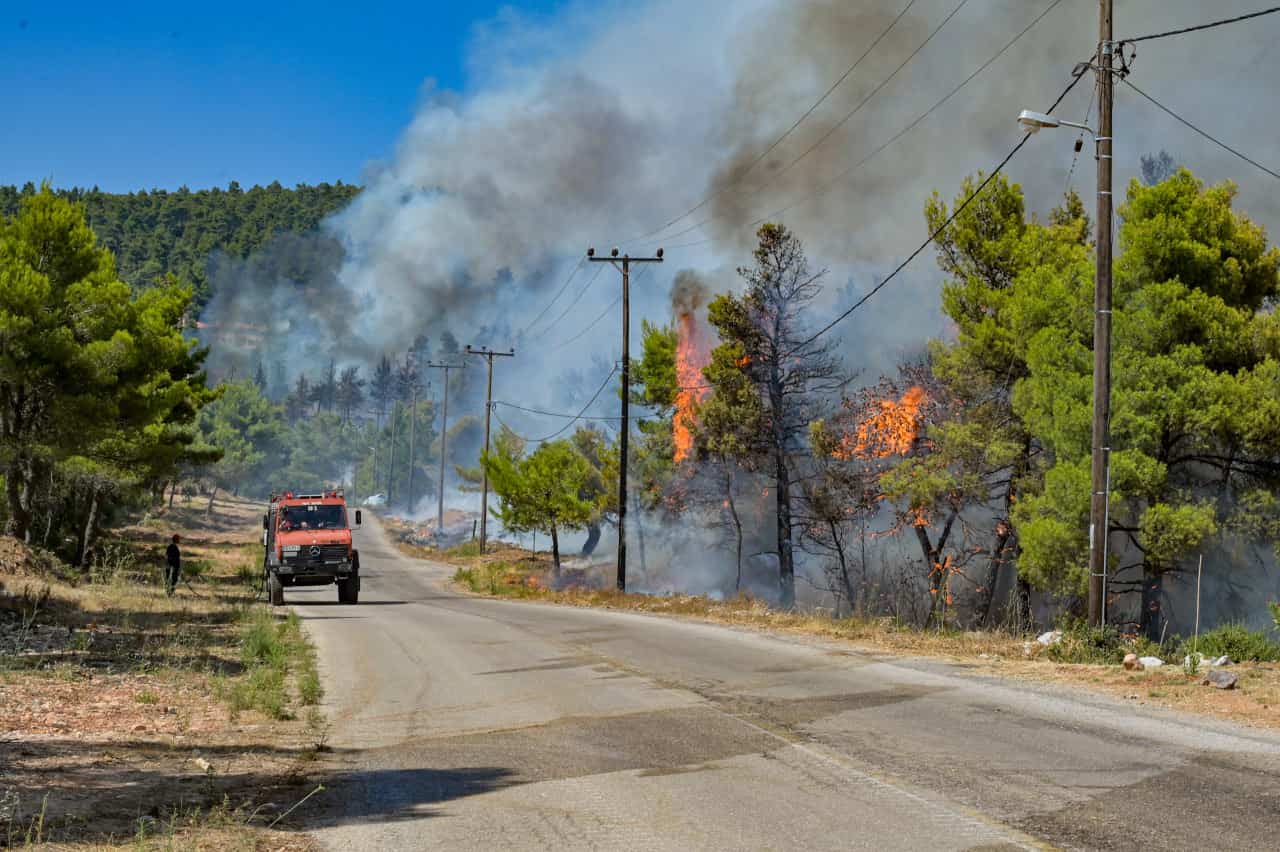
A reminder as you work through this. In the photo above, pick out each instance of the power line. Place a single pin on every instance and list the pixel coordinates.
(1205, 134)
(1206, 26)
(639, 276)
(1075, 158)
(556, 298)
(868, 98)
(742, 173)
(572, 304)
(933, 236)
(576, 418)
(617, 300)
(830, 185)
(552, 413)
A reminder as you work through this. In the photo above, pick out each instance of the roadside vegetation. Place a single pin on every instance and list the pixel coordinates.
(207, 697)
(1078, 655)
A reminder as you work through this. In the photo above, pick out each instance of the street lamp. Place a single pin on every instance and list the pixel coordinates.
(1035, 121)
(1100, 463)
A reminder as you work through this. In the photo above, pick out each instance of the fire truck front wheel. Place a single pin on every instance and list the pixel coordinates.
(275, 590)
(349, 591)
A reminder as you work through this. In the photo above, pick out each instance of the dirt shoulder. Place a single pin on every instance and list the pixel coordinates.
(1255, 699)
(131, 718)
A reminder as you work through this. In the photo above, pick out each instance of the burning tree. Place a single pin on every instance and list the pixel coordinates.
(767, 381)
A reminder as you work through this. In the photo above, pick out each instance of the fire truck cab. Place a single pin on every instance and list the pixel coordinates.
(307, 539)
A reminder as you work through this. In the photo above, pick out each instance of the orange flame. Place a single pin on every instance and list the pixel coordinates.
(691, 357)
(890, 430)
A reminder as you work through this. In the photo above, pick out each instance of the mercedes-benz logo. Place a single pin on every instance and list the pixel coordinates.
(315, 550)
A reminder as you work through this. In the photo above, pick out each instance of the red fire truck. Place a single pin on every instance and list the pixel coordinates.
(308, 543)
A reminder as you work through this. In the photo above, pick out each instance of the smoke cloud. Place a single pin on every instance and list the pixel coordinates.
(600, 124)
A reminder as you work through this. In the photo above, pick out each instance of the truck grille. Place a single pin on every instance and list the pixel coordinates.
(327, 555)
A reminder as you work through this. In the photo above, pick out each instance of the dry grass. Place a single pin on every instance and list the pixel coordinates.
(117, 693)
(509, 572)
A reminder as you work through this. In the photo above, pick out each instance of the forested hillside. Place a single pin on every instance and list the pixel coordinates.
(156, 233)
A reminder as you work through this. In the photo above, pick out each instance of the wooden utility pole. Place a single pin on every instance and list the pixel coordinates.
(488, 355)
(623, 265)
(1101, 461)
(391, 453)
(444, 435)
(413, 429)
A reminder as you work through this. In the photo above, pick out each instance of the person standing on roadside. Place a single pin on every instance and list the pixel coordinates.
(172, 566)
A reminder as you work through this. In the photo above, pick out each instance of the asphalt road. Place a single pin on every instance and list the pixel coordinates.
(467, 723)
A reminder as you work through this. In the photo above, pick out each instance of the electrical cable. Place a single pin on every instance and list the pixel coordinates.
(617, 301)
(1075, 158)
(552, 413)
(569, 307)
(639, 276)
(556, 298)
(830, 185)
(1205, 26)
(742, 173)
(933, 236)
(831, 131)
(1205, 134)
(579, 416)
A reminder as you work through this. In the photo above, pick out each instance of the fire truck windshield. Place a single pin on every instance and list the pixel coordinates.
(313, 516)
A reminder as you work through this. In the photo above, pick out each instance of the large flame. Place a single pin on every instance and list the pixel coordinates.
(691, 357)
(890, 430)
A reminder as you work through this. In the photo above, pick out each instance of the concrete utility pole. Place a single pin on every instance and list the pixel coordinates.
(488, 355)
(444, 435)
(623, 265)
(1101, 462)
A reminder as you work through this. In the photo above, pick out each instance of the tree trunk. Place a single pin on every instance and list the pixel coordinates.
(89, 540)
(1003, 532)
(173, 492)
(50, 507)
(845, 579)
(18, 488)
(213, 492)
(786, 557)
(1152, 603)
(593, 538)
(737, 529)
(938, 570)
(994, 563)
(639, 525)
(555, 550)
(1025, 621)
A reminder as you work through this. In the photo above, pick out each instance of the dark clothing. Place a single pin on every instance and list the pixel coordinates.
(172, 568)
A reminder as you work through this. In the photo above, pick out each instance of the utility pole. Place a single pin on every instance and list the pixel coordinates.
(391, 461)
(444, 435)
(623, 265)
(413, 429)
(488, 355)
(1101, 461)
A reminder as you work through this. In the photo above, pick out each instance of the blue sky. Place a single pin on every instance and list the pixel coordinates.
(159, 94)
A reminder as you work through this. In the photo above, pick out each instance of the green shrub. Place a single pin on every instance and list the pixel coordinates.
(262, 643)
(1236, 641)
(1081, 643)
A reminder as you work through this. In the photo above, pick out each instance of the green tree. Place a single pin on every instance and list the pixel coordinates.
(542, 491)
(1196, 388)
(88, 370)
(252, 435)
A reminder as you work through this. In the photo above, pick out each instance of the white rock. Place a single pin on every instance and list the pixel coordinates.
(1052, 637)
(1151, 662)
